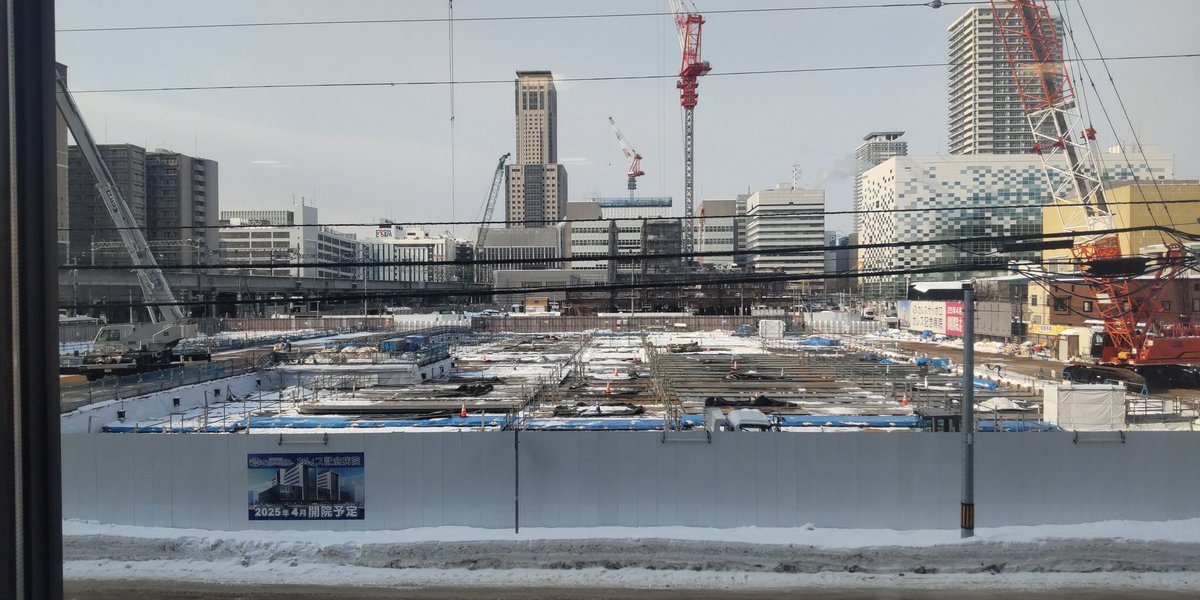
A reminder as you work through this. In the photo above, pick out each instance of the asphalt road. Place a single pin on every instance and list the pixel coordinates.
(142, 590)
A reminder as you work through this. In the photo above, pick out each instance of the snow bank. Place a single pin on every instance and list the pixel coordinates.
(1181, 531)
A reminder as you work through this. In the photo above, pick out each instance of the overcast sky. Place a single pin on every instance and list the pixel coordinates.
(368, 152)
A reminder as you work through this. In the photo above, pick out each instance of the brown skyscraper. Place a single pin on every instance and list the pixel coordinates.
(536, 190)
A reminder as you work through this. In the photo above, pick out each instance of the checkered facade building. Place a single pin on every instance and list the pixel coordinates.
(983, 196)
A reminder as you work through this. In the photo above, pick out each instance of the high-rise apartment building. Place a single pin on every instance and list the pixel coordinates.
(181, 207)
(985, 116)
(536, 190)
(94, 238)
(877, 147)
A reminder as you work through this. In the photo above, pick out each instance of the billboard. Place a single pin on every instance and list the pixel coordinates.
(305, 486)
(954, 318)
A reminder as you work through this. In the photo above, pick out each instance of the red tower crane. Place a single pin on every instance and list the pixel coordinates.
(635, 159)
(1138, 342)
(691, 67)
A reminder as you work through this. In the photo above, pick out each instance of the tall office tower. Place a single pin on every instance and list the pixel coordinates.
(877, 147)
(94, 239)
(536, 190)
(181, 207)
(986, 116)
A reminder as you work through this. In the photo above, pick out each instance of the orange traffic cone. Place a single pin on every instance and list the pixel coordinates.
(904, 400)
(735, 365)
(608, 388)
(463, 413)
(615, 373)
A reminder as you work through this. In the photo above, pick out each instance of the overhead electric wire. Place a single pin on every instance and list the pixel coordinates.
(688, 281)
(774, 251)
(509, 81)
(1121, 103)
(418, 20)
(772, 215)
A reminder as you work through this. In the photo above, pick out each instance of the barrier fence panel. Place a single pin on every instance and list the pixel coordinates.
(583, 479)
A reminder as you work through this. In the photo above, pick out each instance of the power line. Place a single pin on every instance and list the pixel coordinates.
(500, 18)
(366, 84)
(772, 215)
(687, 281)
(776, 251)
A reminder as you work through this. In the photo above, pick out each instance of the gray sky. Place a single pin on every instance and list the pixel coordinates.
(385, 151)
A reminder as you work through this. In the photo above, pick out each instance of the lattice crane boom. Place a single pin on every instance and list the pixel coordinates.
(689, 25)
(1129, 306)
(489, 206)
(160, 300)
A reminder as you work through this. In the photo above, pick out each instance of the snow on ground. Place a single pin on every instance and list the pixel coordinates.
(1183, 531)
(1115, 554)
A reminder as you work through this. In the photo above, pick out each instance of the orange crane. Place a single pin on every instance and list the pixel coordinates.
(691, 67)
(635, 159)
(1139, 343)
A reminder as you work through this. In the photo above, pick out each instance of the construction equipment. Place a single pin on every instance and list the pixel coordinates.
(127, 347)
(489, 207)
(635, 159)
(1138, 343)
(691, 67)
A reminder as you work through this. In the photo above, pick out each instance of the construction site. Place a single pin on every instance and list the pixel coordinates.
(462, 380)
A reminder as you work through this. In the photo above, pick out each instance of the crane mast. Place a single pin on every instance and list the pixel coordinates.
(635, 159)
(489, 207)
(689, 24)
(1064, 143)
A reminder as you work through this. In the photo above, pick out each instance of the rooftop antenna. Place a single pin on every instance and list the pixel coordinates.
(796, 173)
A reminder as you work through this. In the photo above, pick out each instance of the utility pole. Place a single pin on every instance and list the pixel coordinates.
(967, 520)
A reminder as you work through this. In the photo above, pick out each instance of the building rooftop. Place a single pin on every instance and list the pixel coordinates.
(888, 135)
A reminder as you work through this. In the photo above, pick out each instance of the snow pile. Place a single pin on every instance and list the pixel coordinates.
(1131, 555)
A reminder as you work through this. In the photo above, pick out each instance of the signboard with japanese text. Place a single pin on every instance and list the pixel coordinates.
(954, 318)
(305, 487)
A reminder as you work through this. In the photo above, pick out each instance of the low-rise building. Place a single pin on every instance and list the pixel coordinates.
(278, 238)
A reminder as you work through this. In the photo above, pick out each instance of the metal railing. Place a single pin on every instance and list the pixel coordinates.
(128, 386)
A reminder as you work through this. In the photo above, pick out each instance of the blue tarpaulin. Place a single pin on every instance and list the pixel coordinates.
(983, 384)
(1018, 426)
(847, 421)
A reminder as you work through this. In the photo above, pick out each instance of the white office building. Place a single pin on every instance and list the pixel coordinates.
(287, 237)
(877, 147)
(716, 230)
(413, 242)
(621, 226)
(786, 217)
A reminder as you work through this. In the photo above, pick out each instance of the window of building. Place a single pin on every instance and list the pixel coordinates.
(1060, 304)
(1195, 304)
(1033, 299)
(1166, 304)
(1087, 306)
